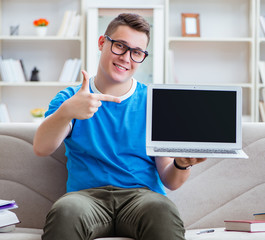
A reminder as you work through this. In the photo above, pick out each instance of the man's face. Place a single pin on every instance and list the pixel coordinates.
(120, 68)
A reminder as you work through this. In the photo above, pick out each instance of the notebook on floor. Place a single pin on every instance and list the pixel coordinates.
(194, 121)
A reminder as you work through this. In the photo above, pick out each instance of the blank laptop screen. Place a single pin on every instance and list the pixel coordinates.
(194, 115)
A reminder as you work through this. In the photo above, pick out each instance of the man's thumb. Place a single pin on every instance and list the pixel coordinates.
(85, 84)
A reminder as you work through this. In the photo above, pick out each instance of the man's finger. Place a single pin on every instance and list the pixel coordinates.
(85, 84)
(108, 98)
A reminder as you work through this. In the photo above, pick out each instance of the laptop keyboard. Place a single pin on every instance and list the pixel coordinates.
(221, 151)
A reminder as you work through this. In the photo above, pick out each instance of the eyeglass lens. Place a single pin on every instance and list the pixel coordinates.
(120, 48)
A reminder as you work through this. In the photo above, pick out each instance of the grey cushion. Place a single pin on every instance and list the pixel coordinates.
(22, 234)
(220, 189)
(34, 182)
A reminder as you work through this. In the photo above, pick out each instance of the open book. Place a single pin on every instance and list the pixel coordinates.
(8, 218)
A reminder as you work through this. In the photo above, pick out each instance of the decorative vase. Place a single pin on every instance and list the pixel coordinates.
(41, 31)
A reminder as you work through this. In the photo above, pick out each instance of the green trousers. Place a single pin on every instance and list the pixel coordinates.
(110, 211)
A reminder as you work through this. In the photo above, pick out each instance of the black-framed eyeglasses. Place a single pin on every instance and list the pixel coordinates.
(119, 48)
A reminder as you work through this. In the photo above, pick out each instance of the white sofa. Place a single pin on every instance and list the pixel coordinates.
(217, 189)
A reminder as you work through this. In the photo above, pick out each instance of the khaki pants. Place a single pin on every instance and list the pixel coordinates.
(110, 211)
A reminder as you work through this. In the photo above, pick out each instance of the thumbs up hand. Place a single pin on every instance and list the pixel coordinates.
(84, 104)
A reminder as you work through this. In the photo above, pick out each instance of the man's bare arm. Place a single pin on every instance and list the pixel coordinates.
(51, 133)
(171, 176)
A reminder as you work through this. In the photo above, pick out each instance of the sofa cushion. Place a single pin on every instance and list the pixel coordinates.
(35, 234)
(225, 189)
(33, 182)
(115, 238)
(22, 234)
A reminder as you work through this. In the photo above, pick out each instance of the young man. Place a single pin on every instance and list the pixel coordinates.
(114, 188)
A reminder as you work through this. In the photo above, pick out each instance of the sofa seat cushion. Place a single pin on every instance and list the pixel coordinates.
(35, 234)
(221, 234)
(115, 238)
(22, 234)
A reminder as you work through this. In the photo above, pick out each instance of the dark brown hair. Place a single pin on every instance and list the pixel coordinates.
(131, 20)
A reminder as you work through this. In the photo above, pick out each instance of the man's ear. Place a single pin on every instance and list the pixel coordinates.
(101, 41)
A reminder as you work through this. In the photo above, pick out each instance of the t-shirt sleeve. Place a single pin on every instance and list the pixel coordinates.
(58, 100)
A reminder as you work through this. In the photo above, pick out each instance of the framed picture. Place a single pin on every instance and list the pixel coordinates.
(190, 24)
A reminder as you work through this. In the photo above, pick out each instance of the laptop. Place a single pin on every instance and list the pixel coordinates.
(194, 121)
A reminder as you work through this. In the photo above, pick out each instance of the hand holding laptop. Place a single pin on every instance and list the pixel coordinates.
(185, 162)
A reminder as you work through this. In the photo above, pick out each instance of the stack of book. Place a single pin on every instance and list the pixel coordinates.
(12, 70)
(70, 25)
(8, 219)
(247, 225)
(70, 70)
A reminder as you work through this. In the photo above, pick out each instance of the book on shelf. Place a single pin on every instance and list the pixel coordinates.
(70, 25)
(12, 70)
(23, 69)
(4, 114)
(263, 94)
(64, 24)
(245, 225)
(262, 23)
(70, 71)
(259, 216)
(262, 111)
(261, 66)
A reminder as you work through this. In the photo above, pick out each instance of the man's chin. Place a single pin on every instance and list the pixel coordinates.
(121, 79)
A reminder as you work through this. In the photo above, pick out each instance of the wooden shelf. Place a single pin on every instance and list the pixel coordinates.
(36, 38)
(208, 39)
(38, 84)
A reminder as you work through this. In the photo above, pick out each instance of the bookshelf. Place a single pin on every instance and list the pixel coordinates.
(230, 45)
(224, 54)
(260, 57)
(47, 53)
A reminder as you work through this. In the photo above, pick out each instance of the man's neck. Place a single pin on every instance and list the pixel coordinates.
(108, 86)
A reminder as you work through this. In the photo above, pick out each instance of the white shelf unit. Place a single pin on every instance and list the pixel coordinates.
(47, 53)
(260, 56)
(224, 54)
(99, 14)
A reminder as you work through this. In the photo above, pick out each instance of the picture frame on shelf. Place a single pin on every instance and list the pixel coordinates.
(190, 24)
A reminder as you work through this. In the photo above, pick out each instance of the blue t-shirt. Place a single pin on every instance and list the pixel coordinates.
(109, 148)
